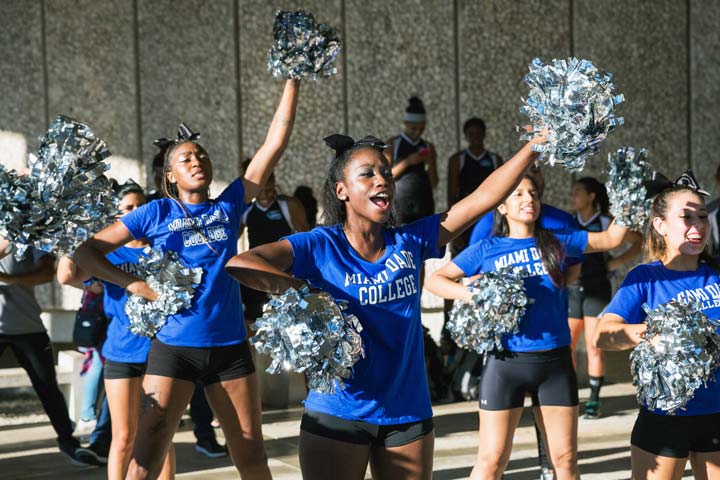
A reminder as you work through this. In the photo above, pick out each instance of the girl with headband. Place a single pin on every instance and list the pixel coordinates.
(536, 360)
(679, 267)
(384, 415)
(206, 342)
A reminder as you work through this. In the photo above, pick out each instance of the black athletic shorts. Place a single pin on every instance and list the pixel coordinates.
(199, 364)
(363, 433)
(676, 436)
(120, 370)
(588, 301)
(548, 377)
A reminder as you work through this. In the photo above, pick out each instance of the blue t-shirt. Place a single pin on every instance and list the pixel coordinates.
(654, 284)
(551, 218)
(388, 386)
(215, 317)
(121, 344)
(545, 323)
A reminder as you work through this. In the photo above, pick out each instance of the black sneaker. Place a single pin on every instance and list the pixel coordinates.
(93, 454)
(69, 447)
(211, 448)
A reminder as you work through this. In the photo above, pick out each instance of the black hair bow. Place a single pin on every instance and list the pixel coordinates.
(659, 183)
(184, 134)
(343, 143)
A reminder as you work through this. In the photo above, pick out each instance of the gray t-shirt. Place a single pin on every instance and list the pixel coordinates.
(19, 310)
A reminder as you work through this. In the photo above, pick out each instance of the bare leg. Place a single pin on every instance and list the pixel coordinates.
(562, 440)
(123, 397)
(576, 328)
(495, 442)
(705, 465)
(648, 466)
(413, 461)
(236, 404)
(596, 358)
(162, 404)
(323, 458)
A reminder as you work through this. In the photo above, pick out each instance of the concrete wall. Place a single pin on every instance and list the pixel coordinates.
(134, 69)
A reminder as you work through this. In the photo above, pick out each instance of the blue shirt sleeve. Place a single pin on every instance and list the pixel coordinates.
(574, 241)
(306, 247)
(628, 300)
(234, 194)
(425, 232)
(140, 220)
(482, 229)
(470, 260)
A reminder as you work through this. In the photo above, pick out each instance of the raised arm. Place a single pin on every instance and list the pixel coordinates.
(277, 139)
(444, 283)
(265, 268)
(612, 333)
(487, 196)
(607, 240)
(68, 273)
(90, 257)
(628, 255)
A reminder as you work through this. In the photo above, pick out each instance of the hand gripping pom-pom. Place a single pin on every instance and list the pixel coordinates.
(64, 199)
(171, 280)
(684, 358)
(575, 102)
(302, 48)
(311, 333)
(626, 188)
(498, 304)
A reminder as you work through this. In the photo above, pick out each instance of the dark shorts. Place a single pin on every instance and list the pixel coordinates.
(548, 377)
(363, 433)
(675, 436)
(199, 364)
(121, 370)
(588, 301)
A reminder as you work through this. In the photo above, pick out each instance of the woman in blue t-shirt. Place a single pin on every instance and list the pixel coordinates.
(383, 416)
(125, 353)
(207, 342)
(536, 360)
(679, 269)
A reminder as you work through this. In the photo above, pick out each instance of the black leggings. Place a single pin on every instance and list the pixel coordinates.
(34, 353)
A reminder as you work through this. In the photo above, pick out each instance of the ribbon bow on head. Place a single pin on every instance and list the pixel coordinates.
(659, 183)
(184, 134)
(343, 143)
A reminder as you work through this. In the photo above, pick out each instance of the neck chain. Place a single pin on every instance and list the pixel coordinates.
(377, 254)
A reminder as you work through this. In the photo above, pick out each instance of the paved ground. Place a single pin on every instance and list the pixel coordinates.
(27, 450)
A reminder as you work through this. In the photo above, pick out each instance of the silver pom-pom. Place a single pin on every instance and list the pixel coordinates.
(311, 333)
(498, 304)
(302, 48)
(684, 358)
(171, 280)
(576, 103)
(64, 199)
(626, 190)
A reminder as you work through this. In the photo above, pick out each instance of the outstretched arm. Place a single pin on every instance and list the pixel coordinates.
(612, 333)
(90, 257)
(277, 139)
(607, 240)
(265, 268)
(487, 196)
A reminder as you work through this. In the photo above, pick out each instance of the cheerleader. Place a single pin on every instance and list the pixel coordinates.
(125, 353)
(679, 269)
(537, 359)
(383, 416)
(207, 342)
(591, 292)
